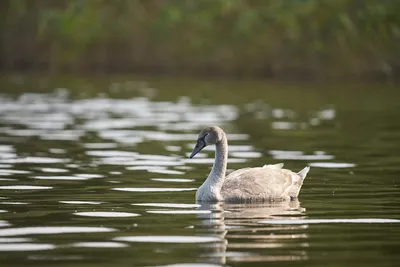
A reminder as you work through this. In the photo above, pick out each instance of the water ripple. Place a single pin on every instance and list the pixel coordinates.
(5, 166)
(14, 203)
(332, 165)
(89, 175)
(26, 247)
(15, 239)
(152, 189)
(299, 155)
(9, 171)
(38, 160)
(100, 145)
(168, 205)
(179, 211)
(164, 171)
(67, 178)
(4, 223)
(99, 245)
(77, 202)
(168, 239)
(111, 153)
(53, 230)
(247, 154)
(192, 265)
(106, 214)
(57, 151)
(173, 180)
(6, 148)
(24, 187)
(324, 221)
(55, 170)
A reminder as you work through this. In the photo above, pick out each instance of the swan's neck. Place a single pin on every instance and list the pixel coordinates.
(211, 188)
(218, 171)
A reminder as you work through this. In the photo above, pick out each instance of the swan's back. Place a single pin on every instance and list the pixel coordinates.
(268, 183)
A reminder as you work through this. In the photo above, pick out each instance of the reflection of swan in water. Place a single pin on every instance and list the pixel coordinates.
(262, 210)
(245, 238)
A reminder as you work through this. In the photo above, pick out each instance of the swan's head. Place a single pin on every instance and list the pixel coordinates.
(208, 136)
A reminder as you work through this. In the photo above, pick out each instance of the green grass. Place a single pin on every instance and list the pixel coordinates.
(291, 39)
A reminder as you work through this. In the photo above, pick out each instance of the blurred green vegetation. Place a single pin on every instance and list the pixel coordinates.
(290, 39)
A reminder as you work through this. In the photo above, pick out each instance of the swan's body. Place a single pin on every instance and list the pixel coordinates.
(267, 183)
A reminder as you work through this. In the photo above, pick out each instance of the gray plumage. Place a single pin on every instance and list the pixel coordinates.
(267, 183)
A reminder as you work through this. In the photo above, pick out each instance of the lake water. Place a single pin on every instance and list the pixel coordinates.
(95, 172)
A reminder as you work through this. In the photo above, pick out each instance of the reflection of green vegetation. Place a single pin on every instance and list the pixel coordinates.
(304, 38)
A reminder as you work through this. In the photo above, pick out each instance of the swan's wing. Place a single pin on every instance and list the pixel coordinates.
(274, 166)
(240, 172)
(253, 184)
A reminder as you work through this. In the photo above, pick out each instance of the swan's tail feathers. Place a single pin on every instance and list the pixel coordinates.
(274, 166)
(303, 172)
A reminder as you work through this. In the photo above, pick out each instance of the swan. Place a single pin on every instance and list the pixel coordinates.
(259, 184)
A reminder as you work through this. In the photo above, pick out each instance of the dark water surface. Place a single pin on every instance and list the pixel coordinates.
(96, 173)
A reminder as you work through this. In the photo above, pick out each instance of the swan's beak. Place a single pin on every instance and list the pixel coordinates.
(199, 146)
